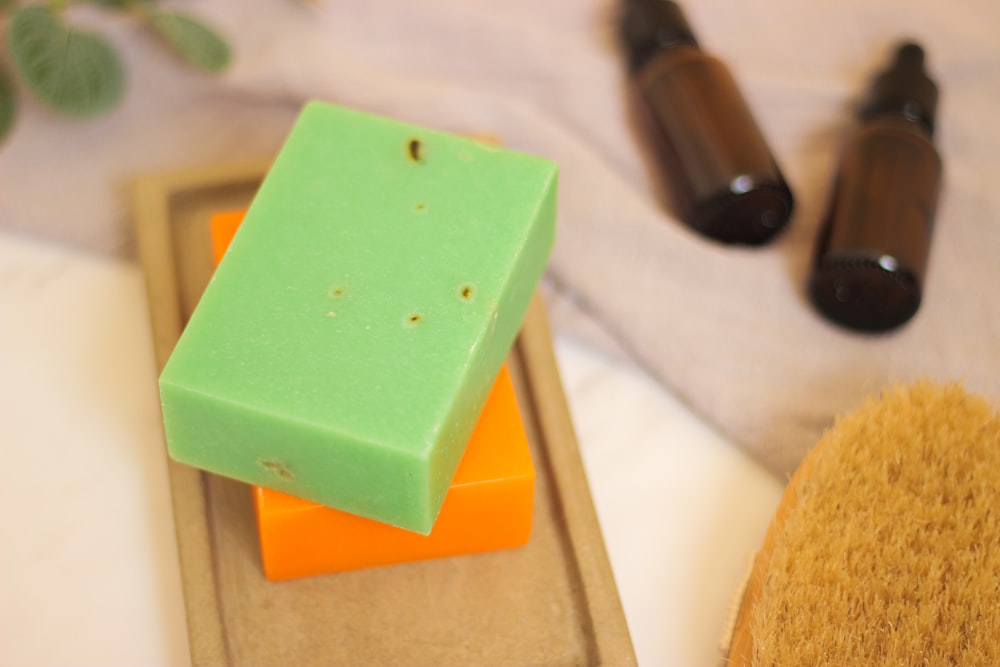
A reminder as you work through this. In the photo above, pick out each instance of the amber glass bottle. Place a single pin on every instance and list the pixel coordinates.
(713, 158)
(871, 258)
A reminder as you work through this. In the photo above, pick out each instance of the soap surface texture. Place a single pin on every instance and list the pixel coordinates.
(344, 348)
(489, 505)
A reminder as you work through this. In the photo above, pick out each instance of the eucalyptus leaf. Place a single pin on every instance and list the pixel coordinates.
(75, 72)
(192, 39)
(113, 4)
(8, 104)
(124, 4)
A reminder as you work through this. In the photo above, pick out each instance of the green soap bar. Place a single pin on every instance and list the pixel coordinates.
(346, 344)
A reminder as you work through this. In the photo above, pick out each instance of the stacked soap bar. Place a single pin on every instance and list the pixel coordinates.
(345, 347)
(489, 506)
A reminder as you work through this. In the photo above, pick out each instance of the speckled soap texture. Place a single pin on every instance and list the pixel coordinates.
(347, 342)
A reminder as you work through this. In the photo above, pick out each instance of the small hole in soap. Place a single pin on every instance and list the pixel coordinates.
(337, 291)
(413, 319)
(466, 292)
(420, 207)
(278, 468)
(414, 149)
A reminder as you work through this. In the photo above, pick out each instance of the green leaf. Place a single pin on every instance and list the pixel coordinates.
(123, 4)
(75, 72)
(113, 4)
(192, 39)
(8, 104)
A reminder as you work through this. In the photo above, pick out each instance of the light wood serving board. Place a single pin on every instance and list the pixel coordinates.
(552, 602)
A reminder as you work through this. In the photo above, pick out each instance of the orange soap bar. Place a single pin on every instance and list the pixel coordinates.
(489, 505)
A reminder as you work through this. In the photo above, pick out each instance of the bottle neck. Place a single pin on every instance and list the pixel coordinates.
(904, 91)
(651, 26)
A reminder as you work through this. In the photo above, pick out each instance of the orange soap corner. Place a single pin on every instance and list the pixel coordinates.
(222, 228)
(489, 506)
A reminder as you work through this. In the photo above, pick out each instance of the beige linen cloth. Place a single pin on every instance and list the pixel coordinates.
(727, 329)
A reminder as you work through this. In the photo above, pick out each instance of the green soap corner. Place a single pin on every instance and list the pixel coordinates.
(346, 344)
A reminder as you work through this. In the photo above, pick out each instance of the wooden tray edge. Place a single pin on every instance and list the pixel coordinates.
(612, 641)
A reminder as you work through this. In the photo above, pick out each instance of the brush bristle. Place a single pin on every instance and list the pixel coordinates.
(891, 555)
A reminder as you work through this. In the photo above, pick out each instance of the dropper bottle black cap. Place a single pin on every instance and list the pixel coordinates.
(871, 260)
(904, 89)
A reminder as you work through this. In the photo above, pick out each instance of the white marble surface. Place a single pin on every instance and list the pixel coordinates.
(88, 573)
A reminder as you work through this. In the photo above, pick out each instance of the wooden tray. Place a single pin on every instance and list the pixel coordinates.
(552, 602)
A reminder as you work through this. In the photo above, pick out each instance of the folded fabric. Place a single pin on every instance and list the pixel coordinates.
(728, 329)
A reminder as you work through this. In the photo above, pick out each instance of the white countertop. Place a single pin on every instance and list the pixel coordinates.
(88, 568)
